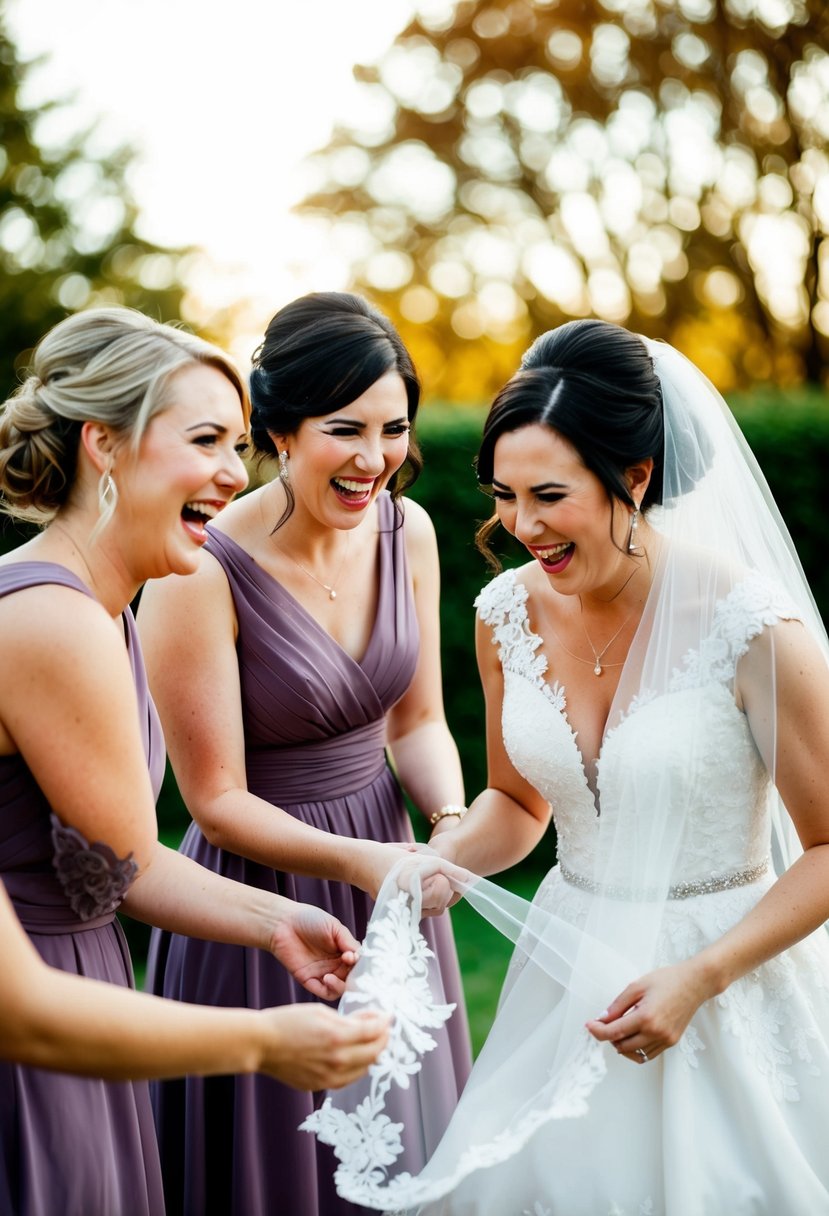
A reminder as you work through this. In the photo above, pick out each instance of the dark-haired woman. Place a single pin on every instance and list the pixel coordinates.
(657, 680)
(311, 646)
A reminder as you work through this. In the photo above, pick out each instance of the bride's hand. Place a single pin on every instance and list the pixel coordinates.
(652, 1014)
(374, 861)
(441, 882)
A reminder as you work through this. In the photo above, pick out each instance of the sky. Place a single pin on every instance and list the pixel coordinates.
(222, 102)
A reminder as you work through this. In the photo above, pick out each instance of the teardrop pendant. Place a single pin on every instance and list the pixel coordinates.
(332, 595)
(597, 670)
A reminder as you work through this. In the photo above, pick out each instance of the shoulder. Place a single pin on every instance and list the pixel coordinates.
(177, 601)
(52, 614)
(754, 603)
(416, 521)
(505, 596)
(242, 518)
(418, 535)
(58, 640)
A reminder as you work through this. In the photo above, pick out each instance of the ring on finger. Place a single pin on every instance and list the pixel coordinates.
(640, 1051)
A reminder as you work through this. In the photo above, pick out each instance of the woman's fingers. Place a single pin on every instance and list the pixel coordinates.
(311, 1047)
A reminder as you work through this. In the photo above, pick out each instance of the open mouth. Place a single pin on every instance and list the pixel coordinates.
(194, 516)
(555, 558)
(353, 491)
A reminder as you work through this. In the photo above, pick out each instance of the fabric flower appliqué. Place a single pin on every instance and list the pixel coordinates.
(94, 880)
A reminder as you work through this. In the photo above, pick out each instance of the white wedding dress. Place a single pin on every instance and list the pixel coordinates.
(734, 1119)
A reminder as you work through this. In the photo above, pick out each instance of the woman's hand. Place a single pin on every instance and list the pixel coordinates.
(316, 948)
(652, 1014)
(311, 1047)
(441, 882)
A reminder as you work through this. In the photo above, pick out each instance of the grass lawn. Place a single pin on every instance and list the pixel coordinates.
(484, 954)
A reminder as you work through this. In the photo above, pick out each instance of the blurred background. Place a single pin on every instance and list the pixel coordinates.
(482, 170)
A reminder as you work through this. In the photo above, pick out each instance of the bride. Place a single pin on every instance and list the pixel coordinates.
(657, 682)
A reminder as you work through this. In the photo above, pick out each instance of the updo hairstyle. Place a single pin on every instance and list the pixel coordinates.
(595, 385)
(107, 365)
(320, 353)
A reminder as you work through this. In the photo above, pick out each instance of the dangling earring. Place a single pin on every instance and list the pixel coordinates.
(107, 494)
(283, 465)
(634, 549)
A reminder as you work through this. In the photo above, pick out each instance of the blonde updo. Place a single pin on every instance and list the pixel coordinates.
(107, 365)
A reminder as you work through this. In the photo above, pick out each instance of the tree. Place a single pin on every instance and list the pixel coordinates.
(67, 227)
(660, 163)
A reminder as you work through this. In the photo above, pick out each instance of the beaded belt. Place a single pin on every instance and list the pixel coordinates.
(682, 890)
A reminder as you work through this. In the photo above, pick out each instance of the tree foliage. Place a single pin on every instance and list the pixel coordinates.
(67, 226)
(660, 163)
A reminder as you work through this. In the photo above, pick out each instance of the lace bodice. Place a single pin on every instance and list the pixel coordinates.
(727, 820)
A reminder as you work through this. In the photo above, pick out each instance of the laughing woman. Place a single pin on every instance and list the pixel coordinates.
(312, 645)
(118, 434)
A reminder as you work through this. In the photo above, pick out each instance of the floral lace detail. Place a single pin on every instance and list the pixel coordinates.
(741, 616)
(365, 1141)
(394, 978)
(92, 877)
(690, 1044)
(758, 1010)
(503, 606)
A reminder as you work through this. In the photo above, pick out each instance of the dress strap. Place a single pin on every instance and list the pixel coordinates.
(18, 576)
(503, 606)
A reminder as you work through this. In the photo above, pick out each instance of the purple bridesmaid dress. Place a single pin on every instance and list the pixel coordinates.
(71, 1146)
(314, 722)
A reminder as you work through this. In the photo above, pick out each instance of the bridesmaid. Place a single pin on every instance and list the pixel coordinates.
(312, 647)
(123, 439)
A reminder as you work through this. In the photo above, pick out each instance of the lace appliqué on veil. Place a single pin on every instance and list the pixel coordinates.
(395, 979)
(93, 878)
(365, 1141)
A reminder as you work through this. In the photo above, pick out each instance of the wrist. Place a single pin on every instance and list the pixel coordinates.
(710, 972)
(442, 844)
(450, 810)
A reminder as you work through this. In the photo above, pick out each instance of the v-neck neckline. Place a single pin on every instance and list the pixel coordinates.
(222, 538)
(556, 693)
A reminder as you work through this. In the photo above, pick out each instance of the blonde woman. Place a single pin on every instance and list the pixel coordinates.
(123, 440)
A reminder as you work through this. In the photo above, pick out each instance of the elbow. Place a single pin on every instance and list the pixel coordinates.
(214, 820)
(212, 830)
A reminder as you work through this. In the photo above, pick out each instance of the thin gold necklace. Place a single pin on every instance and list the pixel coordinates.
(598, 667)
(596, 662)
(331, 588)
(598, 654)
(61, 526)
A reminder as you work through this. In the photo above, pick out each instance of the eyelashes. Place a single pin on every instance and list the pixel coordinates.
(390, 432)
(548, 499)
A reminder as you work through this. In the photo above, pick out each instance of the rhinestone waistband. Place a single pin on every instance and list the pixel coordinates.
(682, 890)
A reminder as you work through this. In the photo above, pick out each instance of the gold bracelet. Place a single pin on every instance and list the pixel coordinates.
(450, 809)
